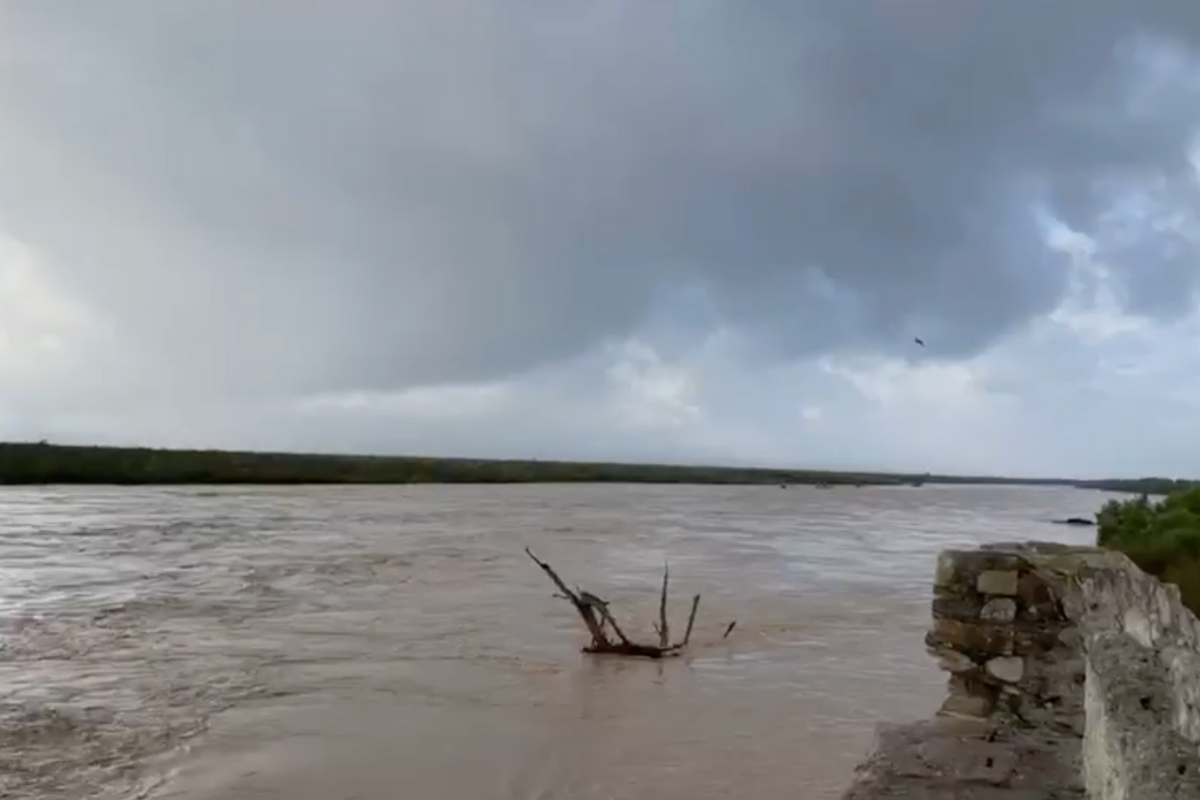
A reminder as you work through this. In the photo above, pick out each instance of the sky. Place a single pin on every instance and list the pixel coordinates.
(701, 231)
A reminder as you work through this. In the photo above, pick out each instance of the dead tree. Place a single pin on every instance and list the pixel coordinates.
(596, 616)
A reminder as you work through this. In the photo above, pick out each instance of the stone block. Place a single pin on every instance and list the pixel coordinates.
(1070, 637)
(957, 569)
(953, 661)
(1000, 609)
(1009, 669)
(946, 573)
(953, 605)
(978, 640)
(963, 705)
(1038, 598)
(1033, 638)
(1000, 582)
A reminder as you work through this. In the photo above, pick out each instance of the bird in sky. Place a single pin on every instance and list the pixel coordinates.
(918, 341)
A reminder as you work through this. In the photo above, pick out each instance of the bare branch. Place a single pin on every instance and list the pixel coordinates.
(664, 628)
(596, 616)
(549, 570)
(585, 609)
(607, 616)
(687, 635)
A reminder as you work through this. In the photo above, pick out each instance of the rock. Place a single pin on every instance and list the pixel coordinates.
(1070, 637)
(1002, 609)
(1003, 582)
(1034, 639)
(954, 661)
(957, 568)
(972, 638)
(1037, 598)
(946, 571)
(957, 606)
(1009, 669)
(967, 706)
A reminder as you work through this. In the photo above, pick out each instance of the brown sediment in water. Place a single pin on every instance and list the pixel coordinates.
(366, 642)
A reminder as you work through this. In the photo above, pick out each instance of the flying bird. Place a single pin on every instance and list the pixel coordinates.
(918, 341)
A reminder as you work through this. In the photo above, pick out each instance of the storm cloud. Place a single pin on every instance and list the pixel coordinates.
(284, 200)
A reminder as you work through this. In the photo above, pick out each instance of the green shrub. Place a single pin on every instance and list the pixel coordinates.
(1160, 536)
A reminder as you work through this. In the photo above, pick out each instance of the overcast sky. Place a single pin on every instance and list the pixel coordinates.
(669, 230)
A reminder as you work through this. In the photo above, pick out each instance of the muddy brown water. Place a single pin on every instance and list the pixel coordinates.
(372, 643)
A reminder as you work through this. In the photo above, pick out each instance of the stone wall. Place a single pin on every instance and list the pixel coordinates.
(1071, 674)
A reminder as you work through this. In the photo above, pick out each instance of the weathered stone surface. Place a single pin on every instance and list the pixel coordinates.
(975, 639)
(1009, 669)
(1070, 637)
(1032, 638)
(946, 572)
(1037, 597)
(997, 582)
(937, 761)
(954, 661)
(958, 568)
(1183, 666)
(1090, 675)
(1001, 609)
(1133, 749)
(950, 605)
(967, 706)
(1071, 561)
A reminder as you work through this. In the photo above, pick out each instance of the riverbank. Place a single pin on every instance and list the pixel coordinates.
(40, 463)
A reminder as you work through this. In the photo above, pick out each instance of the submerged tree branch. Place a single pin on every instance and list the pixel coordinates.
(664, 628)
(687, 635)
(596, 615)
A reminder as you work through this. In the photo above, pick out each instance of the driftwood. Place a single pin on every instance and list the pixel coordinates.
(596, 616)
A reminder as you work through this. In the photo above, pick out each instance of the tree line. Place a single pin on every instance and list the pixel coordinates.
(45, 463)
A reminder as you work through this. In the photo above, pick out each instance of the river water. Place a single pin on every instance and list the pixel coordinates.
(373, 643)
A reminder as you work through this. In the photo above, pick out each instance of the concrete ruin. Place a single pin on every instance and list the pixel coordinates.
(1073, 674)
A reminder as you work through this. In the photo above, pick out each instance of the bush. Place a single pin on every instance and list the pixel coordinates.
(1160, 536)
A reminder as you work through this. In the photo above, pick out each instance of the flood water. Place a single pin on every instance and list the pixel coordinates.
(373, 643)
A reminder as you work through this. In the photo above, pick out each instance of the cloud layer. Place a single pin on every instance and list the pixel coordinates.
(701, 230)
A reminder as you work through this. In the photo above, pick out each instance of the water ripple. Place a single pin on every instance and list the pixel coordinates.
(152, 639)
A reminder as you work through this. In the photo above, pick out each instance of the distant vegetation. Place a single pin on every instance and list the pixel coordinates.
(1160, 536)
(1149, 486)
(42, 463)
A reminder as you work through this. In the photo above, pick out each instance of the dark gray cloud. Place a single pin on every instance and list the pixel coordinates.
(386, 193)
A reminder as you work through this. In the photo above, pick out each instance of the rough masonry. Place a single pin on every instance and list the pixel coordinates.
(1072, 674)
